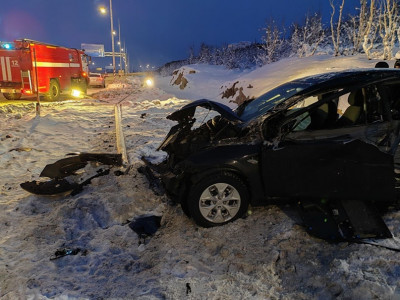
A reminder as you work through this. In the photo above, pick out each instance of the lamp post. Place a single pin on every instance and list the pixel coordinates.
(119, 43)
(112, 37)
(104, 11)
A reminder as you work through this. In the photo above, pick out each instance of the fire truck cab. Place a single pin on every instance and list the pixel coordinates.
(29, 67)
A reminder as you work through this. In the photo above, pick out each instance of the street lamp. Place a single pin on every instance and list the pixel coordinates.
(103, 11)
(119, 43)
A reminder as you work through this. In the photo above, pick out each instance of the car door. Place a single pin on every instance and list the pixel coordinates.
(335, 148)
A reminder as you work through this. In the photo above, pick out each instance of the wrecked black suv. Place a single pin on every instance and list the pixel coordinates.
(330, 136)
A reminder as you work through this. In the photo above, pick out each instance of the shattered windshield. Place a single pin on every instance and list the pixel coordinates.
(264, 103)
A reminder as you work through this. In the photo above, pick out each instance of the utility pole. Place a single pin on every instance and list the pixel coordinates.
(125, 57)
(119, 42)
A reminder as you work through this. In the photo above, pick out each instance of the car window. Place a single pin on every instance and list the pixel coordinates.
(303, 120)
(343, 104)
(357, 107)
(364, 106)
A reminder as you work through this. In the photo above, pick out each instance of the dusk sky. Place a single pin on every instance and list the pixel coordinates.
(154, 31)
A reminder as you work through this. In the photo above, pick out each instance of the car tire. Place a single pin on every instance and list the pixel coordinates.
(12, 96)
(54, 91)
(218, 199)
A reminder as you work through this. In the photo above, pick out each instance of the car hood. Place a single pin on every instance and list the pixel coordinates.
(188, 110)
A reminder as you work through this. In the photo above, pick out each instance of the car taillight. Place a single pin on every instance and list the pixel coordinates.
(84, 74)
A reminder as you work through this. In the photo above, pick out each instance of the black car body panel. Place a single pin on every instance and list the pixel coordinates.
(331, 136)
(238, 159)
(345, 170)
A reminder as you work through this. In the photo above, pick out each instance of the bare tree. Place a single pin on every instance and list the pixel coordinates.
(388, 22)
(370, 31)
(272, 41)
(336, 33)
(358, 26)
(191, 58)
(205, 53)
(306, 39)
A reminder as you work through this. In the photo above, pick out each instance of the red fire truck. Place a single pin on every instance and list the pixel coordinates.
(28, 67)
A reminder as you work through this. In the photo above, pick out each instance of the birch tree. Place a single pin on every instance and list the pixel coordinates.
(359, 26)
(336, 32)
(370, 31)
(388, 22)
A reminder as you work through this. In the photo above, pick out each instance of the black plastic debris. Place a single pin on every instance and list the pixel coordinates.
(342, 220)
(59, 186)
(52, 187)
(145, 226)
(65, 252)
(188, 288)
(67, 167)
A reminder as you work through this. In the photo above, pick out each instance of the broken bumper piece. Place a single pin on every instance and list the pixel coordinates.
(64, 171)
(52, 187)
(67, 166)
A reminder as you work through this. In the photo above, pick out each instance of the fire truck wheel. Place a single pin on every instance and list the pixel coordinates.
(54, 91)
(12, 96)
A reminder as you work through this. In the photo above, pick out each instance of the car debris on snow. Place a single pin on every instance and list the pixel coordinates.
(63, 173)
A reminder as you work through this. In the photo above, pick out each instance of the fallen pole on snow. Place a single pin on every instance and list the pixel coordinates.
(121, 148)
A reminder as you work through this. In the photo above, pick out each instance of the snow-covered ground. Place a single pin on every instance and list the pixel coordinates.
(266, 255)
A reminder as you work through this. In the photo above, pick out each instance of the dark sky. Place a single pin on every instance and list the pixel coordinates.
(154, 31)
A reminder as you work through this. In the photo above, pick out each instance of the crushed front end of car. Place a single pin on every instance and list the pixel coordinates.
(184, 139)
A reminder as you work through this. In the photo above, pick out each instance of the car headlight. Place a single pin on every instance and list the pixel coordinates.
(149, 82)
(76, 93)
